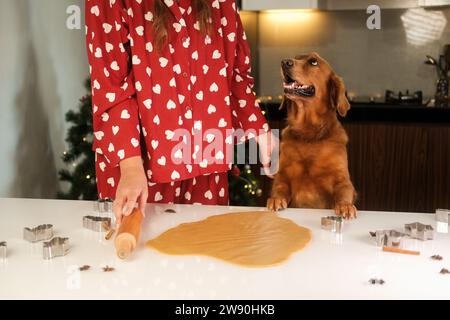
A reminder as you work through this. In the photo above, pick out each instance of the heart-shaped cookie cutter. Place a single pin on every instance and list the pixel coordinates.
(97, 224)
(3, 249)
(40, 233)
(57, 247)
(103, 205)
(419, 231)
(332, 223)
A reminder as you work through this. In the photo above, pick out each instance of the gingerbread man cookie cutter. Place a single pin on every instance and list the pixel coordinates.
(97, 224)
(389, 238)
(57, 247)
(3, 250)
(332, 223)
(40, 233)
(419, 231)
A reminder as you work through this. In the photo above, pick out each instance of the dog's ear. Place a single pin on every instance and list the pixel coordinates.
(337, 95)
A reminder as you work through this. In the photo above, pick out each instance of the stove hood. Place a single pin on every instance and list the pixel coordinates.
(262, 5)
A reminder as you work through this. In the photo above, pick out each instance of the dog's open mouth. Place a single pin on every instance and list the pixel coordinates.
(292, 86)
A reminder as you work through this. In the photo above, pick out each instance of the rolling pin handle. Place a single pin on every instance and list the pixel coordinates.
(124, 249)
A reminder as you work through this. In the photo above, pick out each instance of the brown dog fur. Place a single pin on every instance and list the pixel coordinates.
(313, 169)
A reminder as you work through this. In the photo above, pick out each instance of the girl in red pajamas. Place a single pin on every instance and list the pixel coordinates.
(170, 85)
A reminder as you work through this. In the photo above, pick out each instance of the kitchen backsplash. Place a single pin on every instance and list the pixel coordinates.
(370, 61)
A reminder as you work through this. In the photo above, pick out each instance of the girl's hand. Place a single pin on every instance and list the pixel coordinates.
(268, 144)
(132, 188)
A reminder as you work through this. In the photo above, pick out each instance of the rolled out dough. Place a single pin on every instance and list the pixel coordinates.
(251, 239)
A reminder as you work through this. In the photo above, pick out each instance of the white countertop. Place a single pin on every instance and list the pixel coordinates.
(330, 267)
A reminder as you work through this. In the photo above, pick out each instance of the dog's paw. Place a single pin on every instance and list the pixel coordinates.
(346, 210)
(275, 204)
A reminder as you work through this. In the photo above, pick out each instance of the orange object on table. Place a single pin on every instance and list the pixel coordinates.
(128, 235)
(403, 251)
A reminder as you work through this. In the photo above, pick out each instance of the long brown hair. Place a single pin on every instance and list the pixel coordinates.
(201, 9)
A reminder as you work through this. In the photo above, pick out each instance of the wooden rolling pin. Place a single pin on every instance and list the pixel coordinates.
(128, 235)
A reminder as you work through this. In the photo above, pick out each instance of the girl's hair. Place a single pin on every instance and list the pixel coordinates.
(201, 9)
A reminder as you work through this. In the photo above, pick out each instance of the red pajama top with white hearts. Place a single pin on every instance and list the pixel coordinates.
(142, 97)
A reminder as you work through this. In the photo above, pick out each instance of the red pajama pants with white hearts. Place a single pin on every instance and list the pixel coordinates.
(209, 189)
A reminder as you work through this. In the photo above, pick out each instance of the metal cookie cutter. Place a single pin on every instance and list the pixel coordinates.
(56, 247)
(390, 238)
(332, 223)
(3, 247)
(103, 205)
(419, 231)
(97, 224)
(40, 233)
(442, 215)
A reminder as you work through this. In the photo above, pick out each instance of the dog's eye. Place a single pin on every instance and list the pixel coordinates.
(313, 62)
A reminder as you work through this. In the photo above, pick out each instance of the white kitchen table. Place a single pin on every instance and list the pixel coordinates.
(330, 267)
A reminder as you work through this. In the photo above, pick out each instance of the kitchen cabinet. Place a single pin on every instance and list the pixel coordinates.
(434, 3)
(259, 5)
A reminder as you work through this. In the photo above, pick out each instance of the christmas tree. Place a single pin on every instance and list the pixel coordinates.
(80, 157)
(80, 174)
(243, 186)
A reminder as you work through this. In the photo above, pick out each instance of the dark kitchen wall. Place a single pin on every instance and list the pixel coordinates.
(370, 61)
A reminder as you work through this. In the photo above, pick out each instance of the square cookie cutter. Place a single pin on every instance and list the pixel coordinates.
(442, 215)
(3, 250)
(419, 231)
(103, 205)
(40, 233)
(57, 247)
(389, 238)
(97, 224)
(332, 223)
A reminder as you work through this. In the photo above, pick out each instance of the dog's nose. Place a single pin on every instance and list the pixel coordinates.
(287, 63)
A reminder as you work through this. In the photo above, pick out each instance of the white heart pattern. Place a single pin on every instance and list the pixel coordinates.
(214, 87)
(211, 109)
(125, 114)
(111, 182)
(171, 105)
(208, 195)
(175, 175)
(135, 142)
(158, 196)
(162, 161)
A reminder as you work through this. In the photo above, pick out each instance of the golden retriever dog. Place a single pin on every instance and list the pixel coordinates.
(313, 170)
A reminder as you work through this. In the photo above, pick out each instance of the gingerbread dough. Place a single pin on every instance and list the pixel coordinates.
(251, 239)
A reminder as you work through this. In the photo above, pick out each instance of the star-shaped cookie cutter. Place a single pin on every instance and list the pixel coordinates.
(97, 224)
(40, 233)
(332, 223)
(419, 231)
(3, 250)
(389, 238)
(57, 247)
